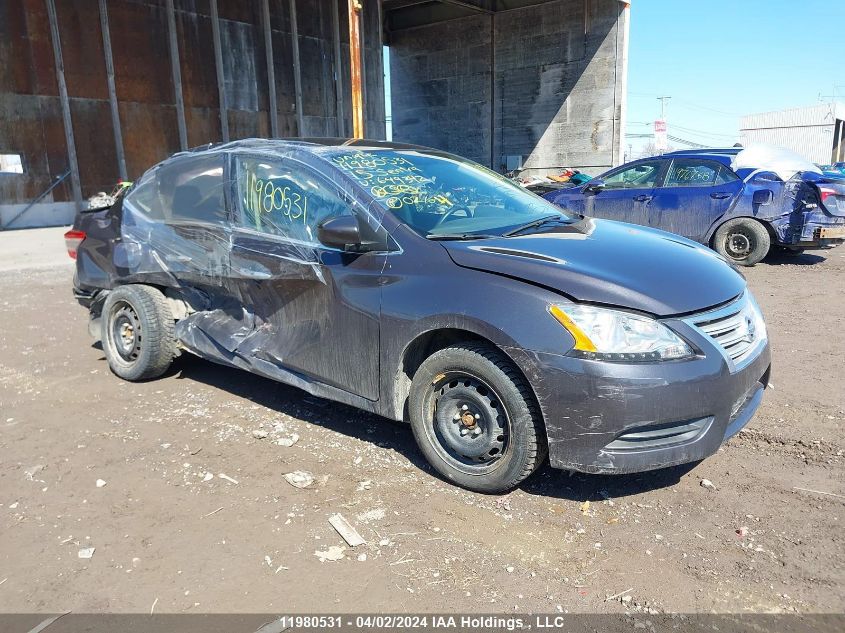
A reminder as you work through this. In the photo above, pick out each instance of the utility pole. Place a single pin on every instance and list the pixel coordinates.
(663, 107)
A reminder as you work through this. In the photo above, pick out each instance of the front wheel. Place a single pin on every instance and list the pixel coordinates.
(137, 332)
(474, 418)
(742, 241)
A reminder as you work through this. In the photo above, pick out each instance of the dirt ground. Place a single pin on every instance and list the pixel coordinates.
(196, 516)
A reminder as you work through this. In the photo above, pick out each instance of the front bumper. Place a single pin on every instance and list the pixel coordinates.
(614, 418)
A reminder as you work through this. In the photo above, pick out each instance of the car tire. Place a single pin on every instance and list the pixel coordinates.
(137, 332)
(742, 241)
(475, 418)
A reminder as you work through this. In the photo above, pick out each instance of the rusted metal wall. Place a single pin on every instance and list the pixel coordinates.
(150, 76)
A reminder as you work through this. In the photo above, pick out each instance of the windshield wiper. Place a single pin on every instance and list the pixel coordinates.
(532, 225)
(443, 237)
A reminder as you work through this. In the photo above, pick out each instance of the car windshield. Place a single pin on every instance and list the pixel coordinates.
(441, 195)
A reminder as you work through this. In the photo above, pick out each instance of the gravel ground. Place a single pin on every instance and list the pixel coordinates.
(176, 488)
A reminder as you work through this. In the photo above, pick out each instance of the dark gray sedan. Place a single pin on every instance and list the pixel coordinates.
(426, 288)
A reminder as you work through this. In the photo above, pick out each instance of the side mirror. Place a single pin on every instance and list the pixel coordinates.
(594, 186)
(763, 196)
(340, 231)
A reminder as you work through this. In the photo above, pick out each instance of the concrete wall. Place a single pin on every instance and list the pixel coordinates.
(546, 83)
(30, 106)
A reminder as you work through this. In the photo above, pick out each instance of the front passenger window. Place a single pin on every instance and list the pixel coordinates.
(639, 176)
(284, 197)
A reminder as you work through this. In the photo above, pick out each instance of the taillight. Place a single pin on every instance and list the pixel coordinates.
(826, 193)
(72, 241)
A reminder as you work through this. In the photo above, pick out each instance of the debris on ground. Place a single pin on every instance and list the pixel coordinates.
(585, 508)
(362, 558)
(208, 477)
(706, 483)
(503, 503)
(620, 595)
(349, 533)
(333, 553)
(288, 441)
(227, 478)
(86, 552)
(742, 532)
(376, 514)
(364, 485)
(299, 478)
(30, 473)
(100, 483)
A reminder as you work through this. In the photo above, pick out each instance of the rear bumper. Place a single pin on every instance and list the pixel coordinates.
(612, 418)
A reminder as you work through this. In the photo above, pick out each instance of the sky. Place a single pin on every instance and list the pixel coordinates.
(720, 59)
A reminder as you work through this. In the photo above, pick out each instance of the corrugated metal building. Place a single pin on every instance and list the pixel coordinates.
(93, 91)
(816, 132)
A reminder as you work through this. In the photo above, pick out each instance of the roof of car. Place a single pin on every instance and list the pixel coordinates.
(316, 144)
(730, 151)
(723, 156)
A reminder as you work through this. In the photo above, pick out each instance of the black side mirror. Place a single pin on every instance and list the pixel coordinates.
(340, 231)
(763, 196)
(594, 186)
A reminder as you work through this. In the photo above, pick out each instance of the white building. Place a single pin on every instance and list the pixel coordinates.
(816, 132)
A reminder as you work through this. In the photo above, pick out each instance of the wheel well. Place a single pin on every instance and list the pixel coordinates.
(421, 348)
(765, 225)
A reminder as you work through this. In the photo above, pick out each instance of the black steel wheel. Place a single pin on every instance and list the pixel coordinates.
(742, 241)
(475, 419)
(471, 427)
(137, 332)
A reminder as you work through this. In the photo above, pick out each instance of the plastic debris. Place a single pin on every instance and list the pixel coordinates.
(706, 483)
(227, 478)
(100, 483)
(208, 477)
(86, 552)
(333, 553)
(349, 533)
(299, 479)
(742, 532)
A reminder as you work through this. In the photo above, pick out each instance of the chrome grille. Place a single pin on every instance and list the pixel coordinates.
(737, 328)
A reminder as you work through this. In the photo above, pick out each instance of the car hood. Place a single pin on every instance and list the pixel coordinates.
(611, 263)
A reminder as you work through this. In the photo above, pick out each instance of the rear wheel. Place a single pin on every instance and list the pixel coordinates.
(474, 418)
(137, 332)
(742, 241)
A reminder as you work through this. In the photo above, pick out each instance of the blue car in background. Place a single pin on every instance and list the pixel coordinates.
(740, 202)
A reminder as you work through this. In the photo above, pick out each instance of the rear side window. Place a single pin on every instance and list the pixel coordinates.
(284, 197)
(691, 172)
(186, 190)
(725, 176)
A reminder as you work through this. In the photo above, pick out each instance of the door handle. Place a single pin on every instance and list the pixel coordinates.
(720, 195)
(643, 198)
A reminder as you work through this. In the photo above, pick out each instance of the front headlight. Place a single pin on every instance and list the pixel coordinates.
(602, 334)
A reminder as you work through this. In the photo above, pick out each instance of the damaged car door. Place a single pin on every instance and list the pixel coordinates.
(694, 195)
(299, 305)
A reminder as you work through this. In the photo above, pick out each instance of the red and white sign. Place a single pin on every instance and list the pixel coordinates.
(661, 139)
